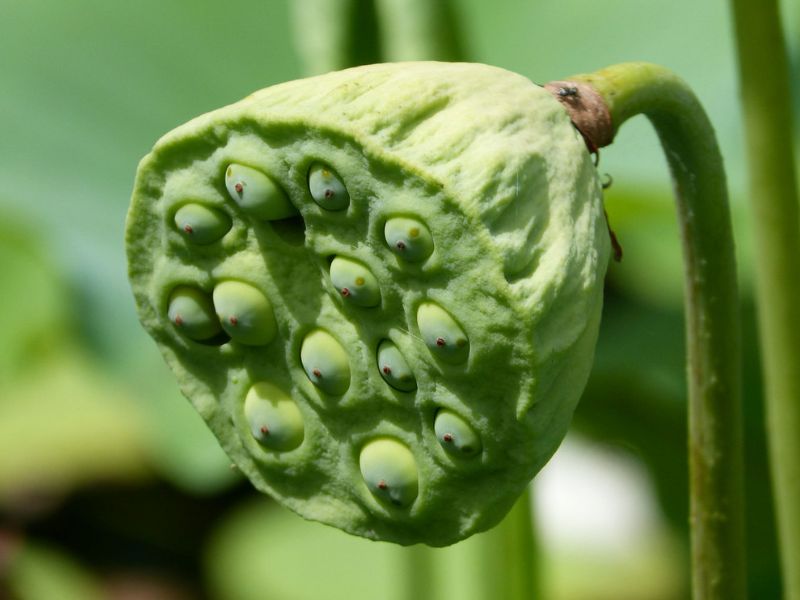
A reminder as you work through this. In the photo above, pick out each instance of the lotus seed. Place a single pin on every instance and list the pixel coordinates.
(355, 282)
(455, 435)
(274, 418)
(192, 313)
(201, 224)
(408, 238)
(257, 194)
(325, 362)
(440, 332)
(326, 188)
(245, 313)
(394, 368)
(390, 471)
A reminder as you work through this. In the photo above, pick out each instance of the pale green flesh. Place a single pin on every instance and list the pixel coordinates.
(512, 202)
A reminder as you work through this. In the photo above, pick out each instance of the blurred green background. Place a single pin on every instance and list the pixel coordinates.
(110, 485)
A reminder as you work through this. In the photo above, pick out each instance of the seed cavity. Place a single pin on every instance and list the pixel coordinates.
(325, 362)
(192, 313)
(456, 435)
(390, 471)
(274, 418)
(327, 188)
(394, 368)
(200, 224)
(245, 313)
(442, 334)
(257, 194)
(355, 282)
(408, 238)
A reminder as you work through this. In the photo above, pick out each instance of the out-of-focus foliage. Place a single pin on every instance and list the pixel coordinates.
(86, 87)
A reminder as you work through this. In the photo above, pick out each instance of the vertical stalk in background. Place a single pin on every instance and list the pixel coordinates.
(711, 298)
(766, 99)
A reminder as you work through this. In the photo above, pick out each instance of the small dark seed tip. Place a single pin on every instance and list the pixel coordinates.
(239, 188)
(316, 373)
(264, 429)
(382, 485)
(188, 228)
(440, 342)
(178, 320)
(329, 193)
(447, 437)
(345, 292)
(234, 321)
(401, 245)
(387, 370)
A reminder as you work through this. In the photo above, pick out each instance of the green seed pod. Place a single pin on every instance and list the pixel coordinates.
(394, 369)
(455, 435)
(200, 224)
(355, 282)
(326, 188)
(408, 238)
(390, 471)
(245, 313)
(507, 207)
(192, 313)
(257, 194)
(274, 419)
(325, 362)
(442, 335)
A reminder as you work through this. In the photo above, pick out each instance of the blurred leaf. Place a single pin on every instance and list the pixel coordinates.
(38, 572)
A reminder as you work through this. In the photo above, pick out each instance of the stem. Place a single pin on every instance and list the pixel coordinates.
(766, 99)
(712, 314)
(508, 557)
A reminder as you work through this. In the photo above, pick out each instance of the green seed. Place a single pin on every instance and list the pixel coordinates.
(325, 362)
(393, 367)
(455, 435)
(245, 313)
(274, 418)
(355, 282)
(257, 194)
(390, 471)
(408, 238)
(200, 224)
(326, 188)
(440, 332)
(192, 313)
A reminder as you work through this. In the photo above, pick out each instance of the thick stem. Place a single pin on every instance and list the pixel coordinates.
(712, 314)
(766, 99)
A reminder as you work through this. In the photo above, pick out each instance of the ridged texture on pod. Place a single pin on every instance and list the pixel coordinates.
(493, 303)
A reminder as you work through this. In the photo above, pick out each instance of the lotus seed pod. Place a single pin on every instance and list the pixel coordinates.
(455, 435)
(355, 282)
(273, 417)
(200, 224)
(192, 313)
(443, 336)
(499, 322)
(325, 362)
(394, 369)
(245, 313)
(326, 188)
(257, 194)
(408, 238)
(390, 471)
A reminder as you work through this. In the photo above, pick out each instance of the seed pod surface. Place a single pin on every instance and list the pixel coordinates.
(461, 219)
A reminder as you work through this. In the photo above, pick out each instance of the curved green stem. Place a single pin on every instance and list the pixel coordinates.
(712, 313)
(766, 99)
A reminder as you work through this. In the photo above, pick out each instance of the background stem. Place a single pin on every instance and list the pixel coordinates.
(712, 314)
(766, 100)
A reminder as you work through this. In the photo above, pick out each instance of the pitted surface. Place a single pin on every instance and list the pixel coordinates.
(406, 264)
